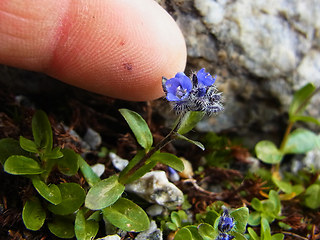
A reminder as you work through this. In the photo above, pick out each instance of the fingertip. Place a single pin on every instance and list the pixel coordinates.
(122, 50)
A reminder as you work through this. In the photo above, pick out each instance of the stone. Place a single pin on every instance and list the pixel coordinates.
(110, 237)
(153, 233)
(118, 162)
(155, 210)
(154, 187)
(98, 169)
(92, 138)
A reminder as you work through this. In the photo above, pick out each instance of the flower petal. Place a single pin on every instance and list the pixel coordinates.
(205, 78)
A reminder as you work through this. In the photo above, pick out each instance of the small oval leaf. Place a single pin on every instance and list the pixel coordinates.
(240, 216)
(41, 130)
(189, 121)
(61, 227)
(69, 163)
(300, 141)
(51, 193)
(104, 193)
(28, 145)
(168, 159)
(85, 229)
(21, 165)
(312, 196)
(139, 127)
(72, 195)
(127, 216)
(207, 231)
(268, 152)
(183, 234)
(33, 215)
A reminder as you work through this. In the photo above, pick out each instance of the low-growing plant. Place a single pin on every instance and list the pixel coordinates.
(76, 211)
(265, 232)
(224, 226)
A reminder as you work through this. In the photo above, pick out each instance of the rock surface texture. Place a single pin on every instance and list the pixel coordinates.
(262, 51)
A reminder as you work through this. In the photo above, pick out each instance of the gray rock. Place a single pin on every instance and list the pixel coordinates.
(110, 237)
(155, 210)
(153, 233)
(92, 138)
(98, 169)
(154, 187)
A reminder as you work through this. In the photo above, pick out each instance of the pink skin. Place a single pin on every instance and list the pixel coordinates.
(119, 48)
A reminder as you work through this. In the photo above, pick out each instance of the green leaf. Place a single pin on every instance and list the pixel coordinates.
(69, 163)
(211, 217)
(61, 227)
(254, 218)
(265, 229)
(104, 193)
(140, 172)
(198, 144)
(51, 193)
(33, 215)
(183, 234)
(194, 232)
(256, 204)
(127, 216)
(238, 236)
(300, 97)
(240, 216)
(55, 153)
(189, 121)
(274, 198)
(41, 130)
(85, 229)
(305, 119)
(175, 218)
(21, 165)
(283, 185)
(268, 152)
(168, 159)
(9, 147)
(28, 145)
(87, 172)
(312, 196)
(207, 232)
(139, 127)
(72, 195)
(277, 236)
(300, 141)
(253, 234)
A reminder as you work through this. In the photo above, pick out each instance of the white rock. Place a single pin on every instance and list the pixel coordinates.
(155, 210)
(154, 187)
(118, 162)
(110, 237)
(98, 169)
(153, 233)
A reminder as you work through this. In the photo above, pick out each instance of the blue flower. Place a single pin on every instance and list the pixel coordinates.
(224, 236)
(226, 222)
(178, 88)
(200, 94)
(204, 78)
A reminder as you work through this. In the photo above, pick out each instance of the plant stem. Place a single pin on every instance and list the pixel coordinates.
(171, 136)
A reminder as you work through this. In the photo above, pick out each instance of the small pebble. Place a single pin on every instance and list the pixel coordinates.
(98, 169)
(118, 162)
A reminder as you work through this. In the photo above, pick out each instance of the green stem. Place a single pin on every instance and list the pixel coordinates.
(171, 136)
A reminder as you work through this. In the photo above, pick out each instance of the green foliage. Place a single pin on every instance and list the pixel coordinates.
(49, 192)
(21, 165)
(176, 220)
(269, 209)
(127, 216)
(85, 229)
(265, 233)
(139, 127)
(62, 227)
(169, 160)
(312, 196)
(72, 197)
(296, 142)
(33, 215)
(104, 193)
(208, 230)
(10, 147)
(189, 121)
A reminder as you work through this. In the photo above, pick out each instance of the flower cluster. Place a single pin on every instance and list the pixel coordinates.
(198, 94)
(225, 225)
